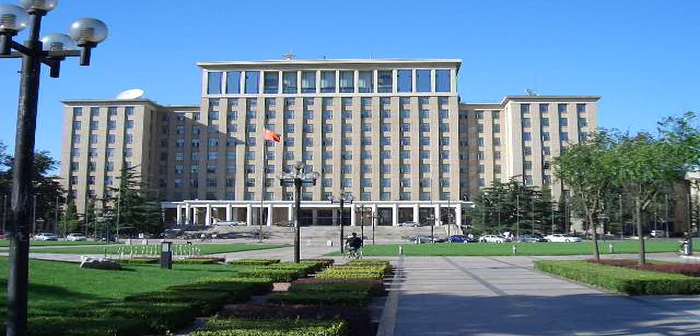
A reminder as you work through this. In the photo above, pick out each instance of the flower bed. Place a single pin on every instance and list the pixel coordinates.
(242, 327)
(622, 279)
(254, 262)
(692, 270)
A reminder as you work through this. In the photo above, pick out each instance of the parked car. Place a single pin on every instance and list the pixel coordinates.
(658, 233)
(104, 239)
(492, 239)
(409, 224)
(76, 237)
(421, 239)
(171, 233)
(531, 239)
(461, 239)
(562, 238)
(230, 223)
(44, 236)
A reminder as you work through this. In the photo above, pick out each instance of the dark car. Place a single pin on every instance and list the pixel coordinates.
(461, 239)
(531, 239)
(111, 238)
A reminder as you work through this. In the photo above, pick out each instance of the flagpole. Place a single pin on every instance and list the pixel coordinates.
(262, 182)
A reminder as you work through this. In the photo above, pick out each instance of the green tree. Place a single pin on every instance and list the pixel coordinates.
(137, 213)
(649, 164)
(587, 169)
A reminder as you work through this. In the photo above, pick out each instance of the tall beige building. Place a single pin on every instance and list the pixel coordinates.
(391, 132)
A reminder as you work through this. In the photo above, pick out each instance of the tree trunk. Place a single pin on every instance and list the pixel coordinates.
(640, 234)
(592, 226)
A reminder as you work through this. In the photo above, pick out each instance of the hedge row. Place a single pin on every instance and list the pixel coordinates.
(189, 261)
(368, 286)
(621, 279)
(254, 262)
(322, 298)
(277, 275)
(290, 327)
(369, 270)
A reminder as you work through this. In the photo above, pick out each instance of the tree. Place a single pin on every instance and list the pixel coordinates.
(649, 164)
(587, 169)
(137, 213)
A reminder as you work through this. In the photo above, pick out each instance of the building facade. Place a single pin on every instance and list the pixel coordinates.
(393, 133)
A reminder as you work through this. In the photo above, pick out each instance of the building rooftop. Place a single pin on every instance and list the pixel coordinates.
(297, 62)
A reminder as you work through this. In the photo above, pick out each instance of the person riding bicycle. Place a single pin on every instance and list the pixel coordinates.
(684, 243)
(354, 243)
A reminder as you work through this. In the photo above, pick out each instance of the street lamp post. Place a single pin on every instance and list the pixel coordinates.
(362, 210)
(341, 199)
(49, 50)
(297, 178)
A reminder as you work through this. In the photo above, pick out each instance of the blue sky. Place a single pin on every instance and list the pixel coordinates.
(640, 56)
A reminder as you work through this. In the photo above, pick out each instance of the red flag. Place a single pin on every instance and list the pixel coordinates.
(272, 136)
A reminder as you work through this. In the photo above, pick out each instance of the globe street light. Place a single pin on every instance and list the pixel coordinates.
(297, 178)
(51, 51)
(341, 199)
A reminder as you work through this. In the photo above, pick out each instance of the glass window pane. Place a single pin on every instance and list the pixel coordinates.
(233, 82)
(386, 82)
(366, 82)
(308, 82)
(214, 82)
(328, 81)
(442, 81)
(272, 82)
(405, 80)
(289, 82)
(347, 81)
(252, 82)
(423, 80)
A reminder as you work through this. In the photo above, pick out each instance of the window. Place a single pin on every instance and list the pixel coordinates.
(526, 122)
(366, 82)
(405, 80)
(385, 81)
(423, 81)
(233, 82)
(252, 82)
(544, 122)
(442, 81)
(308, 82)
(308, 115)
(563, 121)
(347, 182)
(524, 108)
(129, 124)
(527, 150)
(527, 136)
(77, 111)
(580, 108)
(214, 82)
(289, 82)
(582, 122)
(347, 81)
(496, 128)
(546, 150)
(271, 82)
(328, 81)
(561, 108)
(545, 136)
(544, 108)
(527, 165)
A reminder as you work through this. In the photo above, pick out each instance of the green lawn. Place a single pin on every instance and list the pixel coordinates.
(531, 249)
(6, 243)
(57, 287)
(115, 249)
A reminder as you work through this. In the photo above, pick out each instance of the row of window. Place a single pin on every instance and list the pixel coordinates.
(561, 108)
(95, 111)
(328, 81)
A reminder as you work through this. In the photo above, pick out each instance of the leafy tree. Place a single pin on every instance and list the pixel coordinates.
(587, 169)
(649, 164)
(137, 213)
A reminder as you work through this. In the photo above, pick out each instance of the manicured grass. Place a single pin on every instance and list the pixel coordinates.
(58, 288)
(6, 243)
(622, 279)
(114, 250)
(506, 249)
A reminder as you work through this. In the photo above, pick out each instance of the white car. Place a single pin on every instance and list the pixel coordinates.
(232, 223)
(76, 237)
(563, 238)
(44, 236)
(409, 224)
(492, 239)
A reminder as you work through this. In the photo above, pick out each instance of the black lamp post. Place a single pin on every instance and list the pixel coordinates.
(342, 198)
(363, 211)
(297, 178)
(430, 220)
(49, 50)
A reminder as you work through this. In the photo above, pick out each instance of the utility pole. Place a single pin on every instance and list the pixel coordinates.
(55, 220)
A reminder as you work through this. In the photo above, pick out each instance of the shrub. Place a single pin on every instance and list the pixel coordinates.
(85, 326)
(369, 262)
(254, 262)
(257, 285)
(326, 262)
(199, 261)
(204, 302)
(138, 261)
(353, 272)
(622, 279)
(160, 317)
(241, 327)
(372, 288)
(692, 270)
(306, 268)
(277, 275)
(358, 319)
(321, 298)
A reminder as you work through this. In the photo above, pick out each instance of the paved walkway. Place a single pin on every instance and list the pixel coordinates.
(505, 296)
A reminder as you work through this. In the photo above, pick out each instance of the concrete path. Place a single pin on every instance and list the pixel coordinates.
(505, 296)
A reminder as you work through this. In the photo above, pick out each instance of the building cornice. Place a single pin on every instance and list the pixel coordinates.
(329, 62)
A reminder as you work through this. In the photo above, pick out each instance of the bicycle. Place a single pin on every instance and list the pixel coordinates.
(353, 253)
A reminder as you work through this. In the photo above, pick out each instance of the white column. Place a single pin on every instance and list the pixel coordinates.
(416, 213)
(290, 212)
(195, 216)
(438, 215)
(229, 212)
(375, 212)
(188, 214)
(207, 219)
(269, 215)
(353, 215)
(249, 214)
(458, 214)
(395, 214)
(179, 214)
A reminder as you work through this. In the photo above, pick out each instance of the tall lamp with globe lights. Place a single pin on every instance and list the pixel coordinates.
(343, 197)
(297, 178)
(50, 50)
